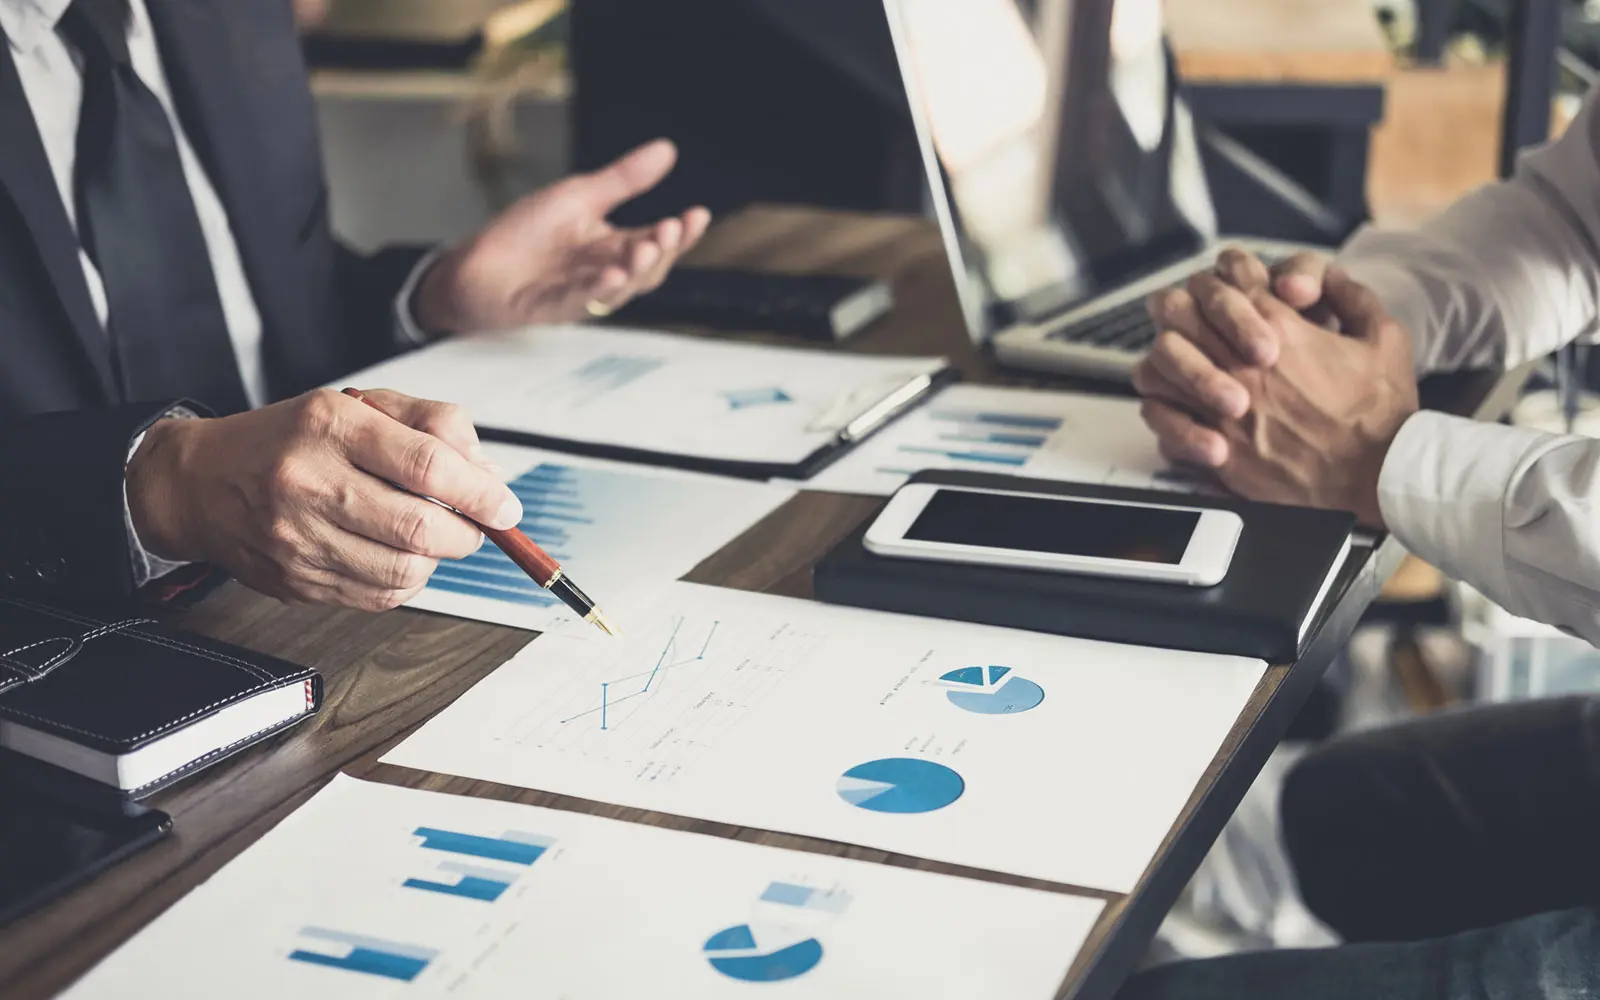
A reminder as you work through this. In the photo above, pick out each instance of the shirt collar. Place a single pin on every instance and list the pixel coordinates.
(26, 22)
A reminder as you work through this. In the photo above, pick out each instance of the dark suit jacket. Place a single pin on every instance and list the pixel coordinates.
(241, 91)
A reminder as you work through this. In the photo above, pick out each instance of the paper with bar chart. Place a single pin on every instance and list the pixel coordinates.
(658, 392)
(1022, 432)
(963, 743)
(621, 531)
(373, 891)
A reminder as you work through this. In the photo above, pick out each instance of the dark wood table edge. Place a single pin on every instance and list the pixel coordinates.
(1118, 953)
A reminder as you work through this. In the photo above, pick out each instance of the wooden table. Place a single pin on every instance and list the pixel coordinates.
(387, 674)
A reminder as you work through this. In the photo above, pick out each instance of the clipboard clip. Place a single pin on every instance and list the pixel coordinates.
(878, 413)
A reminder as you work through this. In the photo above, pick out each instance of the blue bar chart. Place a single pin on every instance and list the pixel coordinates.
(469, 880)
(555, 505)
(512, 846)
(367, 955)
(1040, 434)
(984, 438)
(472, 882)
(620, 531)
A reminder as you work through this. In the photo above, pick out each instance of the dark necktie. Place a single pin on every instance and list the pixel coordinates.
(137, 221)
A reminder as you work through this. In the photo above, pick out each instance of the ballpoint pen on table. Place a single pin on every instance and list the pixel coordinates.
(528, 556)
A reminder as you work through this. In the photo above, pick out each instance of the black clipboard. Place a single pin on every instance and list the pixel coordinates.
(863, 427)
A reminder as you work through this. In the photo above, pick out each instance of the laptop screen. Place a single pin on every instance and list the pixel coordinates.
(1061, 162)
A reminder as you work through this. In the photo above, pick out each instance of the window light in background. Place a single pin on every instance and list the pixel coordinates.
(984, 87)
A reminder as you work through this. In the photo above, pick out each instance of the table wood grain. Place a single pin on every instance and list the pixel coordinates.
(387, 674)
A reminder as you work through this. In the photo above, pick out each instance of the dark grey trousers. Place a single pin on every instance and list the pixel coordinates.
(1459, 854)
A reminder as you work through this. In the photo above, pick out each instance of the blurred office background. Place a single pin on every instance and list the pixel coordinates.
(1313, 116)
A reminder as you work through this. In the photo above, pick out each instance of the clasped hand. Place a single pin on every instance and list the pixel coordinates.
(1289, 385)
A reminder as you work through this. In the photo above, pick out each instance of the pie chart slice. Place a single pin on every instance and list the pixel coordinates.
(976, 676)
(739, 953)
(1016, 695)
(900, 785)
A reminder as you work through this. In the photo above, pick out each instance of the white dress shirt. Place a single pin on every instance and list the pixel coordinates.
(1507, 274)
(52, 79)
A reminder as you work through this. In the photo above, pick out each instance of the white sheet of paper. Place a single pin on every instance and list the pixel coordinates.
(375, 891)
(1049, 757)
(622, 532)
(657, 392)
(1024, 432)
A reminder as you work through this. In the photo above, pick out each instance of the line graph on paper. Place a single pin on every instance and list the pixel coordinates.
(613, 708)
(658, 698)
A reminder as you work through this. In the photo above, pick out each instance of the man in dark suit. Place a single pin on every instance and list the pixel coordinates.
(170, 291)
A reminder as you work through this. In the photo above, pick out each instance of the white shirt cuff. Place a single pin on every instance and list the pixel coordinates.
(1365, 259)
(407, 331)
(1444, 489)
(146, 565)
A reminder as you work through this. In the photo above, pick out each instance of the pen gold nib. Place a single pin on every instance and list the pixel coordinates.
(600, 621)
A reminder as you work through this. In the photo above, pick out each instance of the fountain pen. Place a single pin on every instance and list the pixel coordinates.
(528, 556)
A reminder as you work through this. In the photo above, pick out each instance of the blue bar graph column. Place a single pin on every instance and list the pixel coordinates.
(368, 955)
(556, 505)
(483, 883)
(517, 848)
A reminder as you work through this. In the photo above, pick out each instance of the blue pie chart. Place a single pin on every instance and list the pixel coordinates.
(1016, 695)
(757, 955)
(900, 785)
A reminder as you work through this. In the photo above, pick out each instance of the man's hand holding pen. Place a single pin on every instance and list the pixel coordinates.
(295, 499)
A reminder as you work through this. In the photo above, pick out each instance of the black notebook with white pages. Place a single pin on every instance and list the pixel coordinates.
(134, 704)
(1284, 572)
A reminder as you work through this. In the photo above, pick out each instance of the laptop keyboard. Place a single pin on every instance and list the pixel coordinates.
(1122, 328)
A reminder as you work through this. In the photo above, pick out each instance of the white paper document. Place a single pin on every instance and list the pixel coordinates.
(622, 532)
(1068, 436)
(376, 891)
(1044, 756)
(657, 392)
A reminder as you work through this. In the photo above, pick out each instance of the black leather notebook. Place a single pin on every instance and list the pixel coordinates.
(133, 704)
(824, 307)
(1283, 572)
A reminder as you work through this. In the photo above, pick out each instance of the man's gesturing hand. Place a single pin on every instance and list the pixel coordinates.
(295, 499)
(1313, 429)
(552, 254)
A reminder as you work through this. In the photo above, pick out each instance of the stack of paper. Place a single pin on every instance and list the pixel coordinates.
(375, 891)
(1043, 756)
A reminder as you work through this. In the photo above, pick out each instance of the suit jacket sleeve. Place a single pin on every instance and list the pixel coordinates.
(63, 534)
(367, 287)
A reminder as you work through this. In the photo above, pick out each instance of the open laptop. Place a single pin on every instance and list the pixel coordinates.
(1063, 169)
